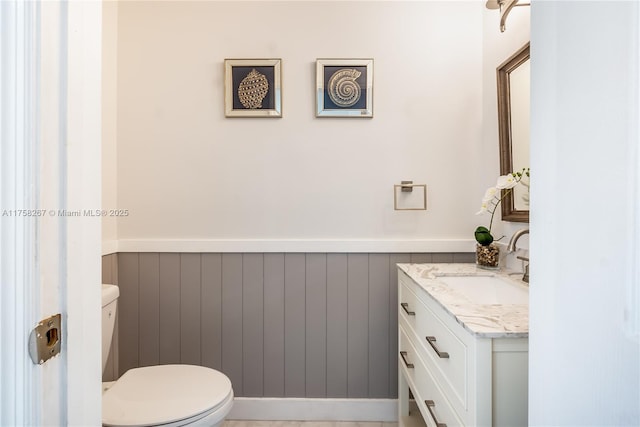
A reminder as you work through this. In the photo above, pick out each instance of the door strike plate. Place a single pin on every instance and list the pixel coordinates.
(45, 340)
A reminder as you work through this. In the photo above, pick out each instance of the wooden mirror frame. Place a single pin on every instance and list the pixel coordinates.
(509, 212)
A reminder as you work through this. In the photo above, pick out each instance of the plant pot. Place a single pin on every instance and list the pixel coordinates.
(488, 256)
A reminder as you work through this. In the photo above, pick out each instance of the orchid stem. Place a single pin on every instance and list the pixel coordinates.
(495, 206)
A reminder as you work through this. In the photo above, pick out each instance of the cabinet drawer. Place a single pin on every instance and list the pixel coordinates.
(444, 353)
(433, 404)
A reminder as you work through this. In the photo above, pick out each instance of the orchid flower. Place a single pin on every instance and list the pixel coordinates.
(492, 198)
(508, 181)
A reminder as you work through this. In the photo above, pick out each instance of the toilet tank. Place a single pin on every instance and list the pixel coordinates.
(110, 295)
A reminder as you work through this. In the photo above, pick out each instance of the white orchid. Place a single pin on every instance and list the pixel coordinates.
(489, 194)
(508, 181)
(483, 208)
(487, 200)
(492, 198)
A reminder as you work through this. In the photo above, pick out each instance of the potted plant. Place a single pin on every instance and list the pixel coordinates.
(488, 253)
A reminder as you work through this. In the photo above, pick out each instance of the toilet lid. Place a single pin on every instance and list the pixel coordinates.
(163, 394)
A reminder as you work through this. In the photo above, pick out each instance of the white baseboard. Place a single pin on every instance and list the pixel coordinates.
(300, 409)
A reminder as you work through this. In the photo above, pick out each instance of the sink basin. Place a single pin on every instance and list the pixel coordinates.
(488, 289)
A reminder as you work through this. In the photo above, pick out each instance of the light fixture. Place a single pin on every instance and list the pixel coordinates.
(505, 7)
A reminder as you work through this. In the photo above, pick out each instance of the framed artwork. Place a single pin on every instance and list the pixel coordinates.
(253, 88)
(344, 88)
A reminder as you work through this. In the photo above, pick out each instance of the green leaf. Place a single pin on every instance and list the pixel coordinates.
(483, 236)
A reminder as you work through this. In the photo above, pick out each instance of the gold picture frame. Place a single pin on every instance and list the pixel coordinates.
(253, 88)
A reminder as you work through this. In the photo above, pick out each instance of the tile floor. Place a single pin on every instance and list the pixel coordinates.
(234, 423)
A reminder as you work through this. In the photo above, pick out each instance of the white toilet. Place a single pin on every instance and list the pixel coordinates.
(164, 395)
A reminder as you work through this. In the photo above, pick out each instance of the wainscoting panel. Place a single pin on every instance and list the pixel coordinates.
(149, 309)
(274, 325)
(379, 320)
(129, 312)
(190, 331)
(211, 310)
(169, 310)
(232, 320)
(253, 325)
(110, 277)
(316, 325)
(336, 320)
(358, 325)
(294, 325)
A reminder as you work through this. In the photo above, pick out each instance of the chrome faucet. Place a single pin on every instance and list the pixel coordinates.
(512, 247)
(515, 237)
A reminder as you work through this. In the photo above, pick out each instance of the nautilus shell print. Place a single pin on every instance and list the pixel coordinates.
(343, 88)
(252, 90)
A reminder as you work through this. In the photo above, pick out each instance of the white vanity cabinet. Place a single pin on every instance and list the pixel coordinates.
(457, 376)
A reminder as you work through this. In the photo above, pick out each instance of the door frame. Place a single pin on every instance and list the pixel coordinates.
(51, 163)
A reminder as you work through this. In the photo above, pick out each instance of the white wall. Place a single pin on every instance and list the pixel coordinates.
(189, 176)
(585, 353)
(498, 47)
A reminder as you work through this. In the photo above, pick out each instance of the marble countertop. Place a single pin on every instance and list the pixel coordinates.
(482, 320)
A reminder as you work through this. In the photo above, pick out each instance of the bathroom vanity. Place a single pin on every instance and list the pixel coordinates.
(463, 346)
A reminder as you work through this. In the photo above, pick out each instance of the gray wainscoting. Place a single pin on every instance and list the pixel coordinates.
(278, 324)
(110, 276)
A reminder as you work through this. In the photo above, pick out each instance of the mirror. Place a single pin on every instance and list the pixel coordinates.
(513, 127)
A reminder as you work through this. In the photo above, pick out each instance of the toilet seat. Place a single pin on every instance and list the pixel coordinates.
(171, 395)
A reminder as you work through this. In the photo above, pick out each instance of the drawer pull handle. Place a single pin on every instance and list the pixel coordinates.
(403, 354)
(405, 306)
(431, 404)
(441, 354)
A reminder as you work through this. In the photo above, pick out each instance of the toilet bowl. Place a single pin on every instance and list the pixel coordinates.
(164, 395)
